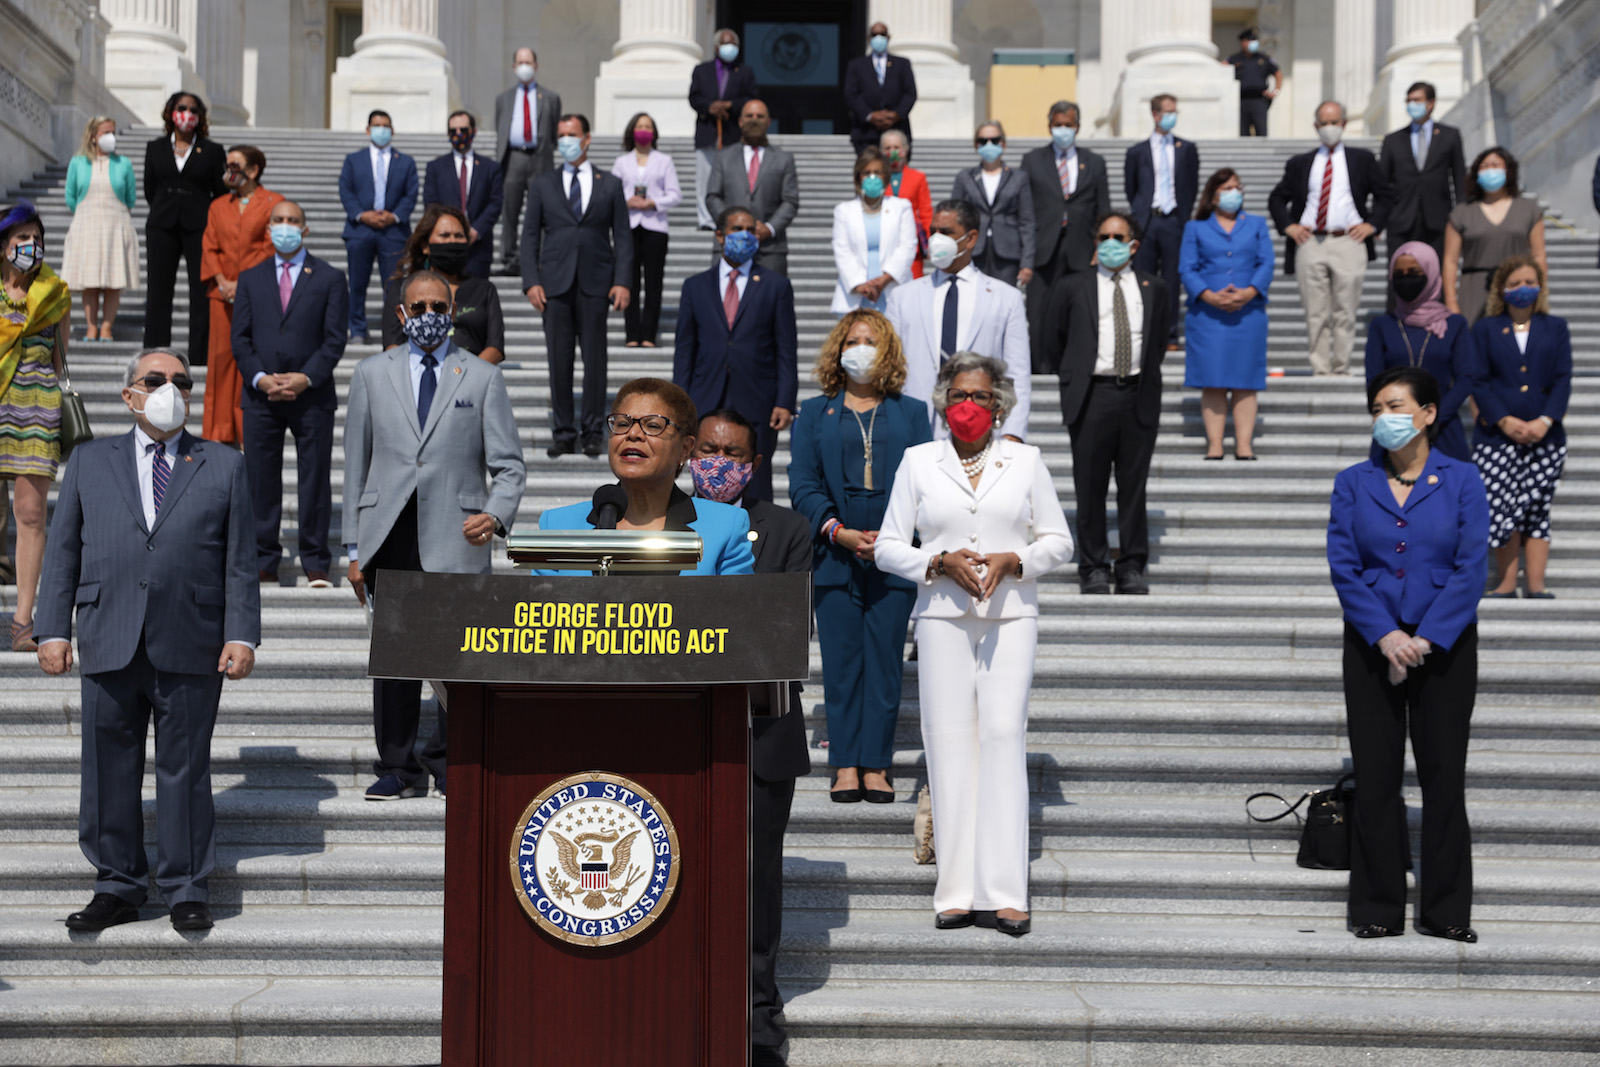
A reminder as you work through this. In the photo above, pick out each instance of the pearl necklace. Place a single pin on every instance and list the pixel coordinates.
(974, 466)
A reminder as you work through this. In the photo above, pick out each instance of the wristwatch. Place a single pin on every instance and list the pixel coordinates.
(1547, 420)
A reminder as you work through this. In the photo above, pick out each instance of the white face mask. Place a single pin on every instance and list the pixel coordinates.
(107, 143)
(525, 72)
(1330, 134)
(165, 409)
(857, 361)
(943, 250)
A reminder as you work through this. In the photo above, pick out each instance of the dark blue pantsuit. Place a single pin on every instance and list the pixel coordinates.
(312, 426)
(862, 630)
(362, 247)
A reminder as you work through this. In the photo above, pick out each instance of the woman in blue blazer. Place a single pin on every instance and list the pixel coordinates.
(1407, 550)
(1424, 333)
(100, 257)
(1226, 261)
(845, 450)
(1521, 445)
(652, 426)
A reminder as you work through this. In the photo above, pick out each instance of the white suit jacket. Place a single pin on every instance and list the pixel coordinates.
(1013, 509)
(897, 248)
(998, 328)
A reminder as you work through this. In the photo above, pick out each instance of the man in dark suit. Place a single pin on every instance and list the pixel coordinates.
(1108, 327)
(525, 127)
(879, 91)
(289, 317)
(1070, 192)
(761, 177)
(378, 188)
(738, 344)
(781, 541)
(577, 255)
(1161, 176)
(718, 90)
(1329, 203)
(1423, 162)
(151, 542)
(470, 181)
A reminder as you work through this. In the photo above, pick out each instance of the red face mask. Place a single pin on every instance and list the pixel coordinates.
(185, 121)
(968, 421)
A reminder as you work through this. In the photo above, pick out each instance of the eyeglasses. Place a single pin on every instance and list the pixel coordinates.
(460, 131)
(155, 380)
(981, 397)
(652, 425)
(1123, 237)
(422, 307)
(991, 140)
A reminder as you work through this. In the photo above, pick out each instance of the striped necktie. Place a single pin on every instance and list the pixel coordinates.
(160, 473)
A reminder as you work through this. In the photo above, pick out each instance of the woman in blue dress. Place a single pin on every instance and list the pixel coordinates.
(1226, 262)
(1424, 333)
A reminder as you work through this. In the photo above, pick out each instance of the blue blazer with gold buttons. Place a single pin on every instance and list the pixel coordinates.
(1524, 384)
(1423, 562)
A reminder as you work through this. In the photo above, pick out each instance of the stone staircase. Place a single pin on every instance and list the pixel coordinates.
(1168, 928)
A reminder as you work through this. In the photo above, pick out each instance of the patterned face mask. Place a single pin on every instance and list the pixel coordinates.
(428, 330)
(720, 478)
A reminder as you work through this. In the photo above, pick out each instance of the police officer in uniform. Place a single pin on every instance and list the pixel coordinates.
(1254, 71)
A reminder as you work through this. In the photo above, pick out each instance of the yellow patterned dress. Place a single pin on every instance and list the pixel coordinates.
(30, 406)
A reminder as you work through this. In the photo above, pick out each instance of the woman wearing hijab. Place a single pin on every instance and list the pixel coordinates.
(1424, 333)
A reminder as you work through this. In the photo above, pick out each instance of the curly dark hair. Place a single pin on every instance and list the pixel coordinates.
(201, 129)
(1512, 185)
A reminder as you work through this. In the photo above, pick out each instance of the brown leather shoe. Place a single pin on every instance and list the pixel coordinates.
(318, 580)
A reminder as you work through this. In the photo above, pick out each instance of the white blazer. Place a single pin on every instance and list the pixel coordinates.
(1013, 509)
(897, 247)
(998, 327)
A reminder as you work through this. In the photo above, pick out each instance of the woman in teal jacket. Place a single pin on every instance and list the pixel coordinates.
(101, 254)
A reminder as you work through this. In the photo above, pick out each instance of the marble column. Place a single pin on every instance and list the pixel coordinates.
(219, 59)
(1354, 24)
(1170, 51)
(920, 30)
(649, 68)
(147, 59)
(399, 66)
(1425, 49)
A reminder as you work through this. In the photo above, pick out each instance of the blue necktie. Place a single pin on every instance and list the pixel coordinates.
(430, 385)
(575, 196)
(952, 308)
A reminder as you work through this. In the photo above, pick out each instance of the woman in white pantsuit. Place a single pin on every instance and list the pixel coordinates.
(990, 524)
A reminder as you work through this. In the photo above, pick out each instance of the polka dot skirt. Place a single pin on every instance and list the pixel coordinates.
(1521, 481)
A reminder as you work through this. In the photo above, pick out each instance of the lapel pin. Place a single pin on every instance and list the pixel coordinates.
(754, 536)
(755, 277)
(458, 370)
(830, 411)
(188, 459)
(1433, 479)
(1505, 329)
(998, 464)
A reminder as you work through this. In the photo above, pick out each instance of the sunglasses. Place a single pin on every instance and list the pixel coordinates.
(991, 140)
(981, 397)
(422, 307)
(1122, 237)
(155, 380)
(652, 425)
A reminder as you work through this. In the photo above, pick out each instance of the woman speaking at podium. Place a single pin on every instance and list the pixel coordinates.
(652, 424)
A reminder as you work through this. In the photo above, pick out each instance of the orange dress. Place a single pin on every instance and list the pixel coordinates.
(235, 240)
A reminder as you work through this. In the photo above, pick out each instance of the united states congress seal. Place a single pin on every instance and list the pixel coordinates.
(594, 859)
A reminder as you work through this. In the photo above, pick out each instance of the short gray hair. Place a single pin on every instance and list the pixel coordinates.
(894, 133)
(1344, 115)
(1005, 390)
(988, 122)
(133, 365)
(715, 37)
(1061, 106)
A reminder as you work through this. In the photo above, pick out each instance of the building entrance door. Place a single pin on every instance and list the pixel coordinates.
(798, 50)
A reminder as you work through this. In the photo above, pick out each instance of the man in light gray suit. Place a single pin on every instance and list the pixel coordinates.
(761, 177)
(957, 308)
(432, 471)
(525, 129)
(153, 542)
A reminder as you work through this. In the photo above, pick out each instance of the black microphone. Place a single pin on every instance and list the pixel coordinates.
(610, 504)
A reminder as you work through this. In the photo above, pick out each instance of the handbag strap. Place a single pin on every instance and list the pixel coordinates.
(1288, 808)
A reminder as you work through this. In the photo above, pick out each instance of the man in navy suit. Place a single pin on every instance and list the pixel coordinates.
(150, 542)
(470, 181)
(737, 345)
(577, 255)
(719, 88)
(1161, 176)
(879, 91)
(378, 188)
(288, 334)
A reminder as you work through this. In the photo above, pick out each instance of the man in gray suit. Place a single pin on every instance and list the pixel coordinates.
(957, 308)
(525, 127)
(763, 178)
(153, 542)
(432, 471)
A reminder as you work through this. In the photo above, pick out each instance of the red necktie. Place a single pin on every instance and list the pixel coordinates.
(730, 299)
(755, 167)
(527, 118)
(463, 185)
(1327, 194)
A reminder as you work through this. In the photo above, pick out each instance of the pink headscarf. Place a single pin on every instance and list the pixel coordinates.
(1426, 311)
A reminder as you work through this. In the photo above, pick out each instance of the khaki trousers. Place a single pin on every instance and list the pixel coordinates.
(1329, 271)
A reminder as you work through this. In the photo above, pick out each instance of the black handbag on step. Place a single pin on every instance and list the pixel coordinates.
(1325, 832)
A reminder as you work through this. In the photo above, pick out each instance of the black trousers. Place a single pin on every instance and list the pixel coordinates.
(1107, 437)
(1004, 270)
(163, 247)
(1416, 232)
(1158, 254)
(1253, 116)
(642, 317)
(312, 427)
(1436, 702)
(1037, 295)
(770, 803)
(397, 702)
(572, 318)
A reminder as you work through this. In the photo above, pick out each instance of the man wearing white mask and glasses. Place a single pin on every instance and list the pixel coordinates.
(151, 545)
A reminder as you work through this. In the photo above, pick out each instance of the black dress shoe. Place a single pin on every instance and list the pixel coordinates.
(1013, 927)
(878, 796)
(1096, 581)
(191, 915)
(766, 1056)
(1131, 582)
(1244, 459)
(1375, 930)
(106, 909)
(592, 446)
(1453, 933)
(954, 921)
(561, 448)
(844, 796)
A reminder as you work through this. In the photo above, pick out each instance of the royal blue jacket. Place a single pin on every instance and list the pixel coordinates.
(723, 528)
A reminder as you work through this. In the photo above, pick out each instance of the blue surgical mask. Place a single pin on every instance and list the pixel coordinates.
(990, 152)
(1063, 136)
(286, 238)
(872, 187)
(381, 135)
(1523, 296)
(727, 52)
(1393, 432)
(571, 148)
(740, 247)
(880, 44)
(1230, 200)
(1167, 121)
(1252, 47)
(427, 330)
(1114, 255)
(1491, 179)
(1417, 109)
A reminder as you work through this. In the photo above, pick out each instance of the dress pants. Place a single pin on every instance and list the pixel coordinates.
(1107, 437)
(642, 317)
(572, 318)
(770, 803)
(162, 249)
(117, 708)
(1158, 254)
(1003, 269)
(1436, 701)
(311, 424)
(397, 702)
(973, 680)
(705, 160)
(517, 175)
(1329, 271)
(862, 631)
(1253, 116)
(361, 248)
(1037, 295)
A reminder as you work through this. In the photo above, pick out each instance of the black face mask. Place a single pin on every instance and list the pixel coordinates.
(1409, 286)
(449, 257)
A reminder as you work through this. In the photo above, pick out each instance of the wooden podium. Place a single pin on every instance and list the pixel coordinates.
(597, 835)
